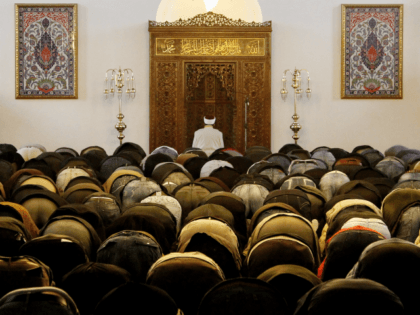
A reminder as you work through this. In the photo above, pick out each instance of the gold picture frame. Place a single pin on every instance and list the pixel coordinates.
(372, 51)
(46, 51)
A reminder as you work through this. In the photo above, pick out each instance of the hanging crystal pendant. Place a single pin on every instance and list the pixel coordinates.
(283, 94)
(298, 94)
(128, 85)
(106, 91)
(133, 88)
(111, 87)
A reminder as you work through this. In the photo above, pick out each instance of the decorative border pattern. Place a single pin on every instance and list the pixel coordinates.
(372, 51)
(46, 51)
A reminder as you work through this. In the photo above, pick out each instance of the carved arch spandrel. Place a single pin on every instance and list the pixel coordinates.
(225, 72)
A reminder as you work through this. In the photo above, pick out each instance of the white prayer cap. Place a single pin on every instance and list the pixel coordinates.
(209, 120)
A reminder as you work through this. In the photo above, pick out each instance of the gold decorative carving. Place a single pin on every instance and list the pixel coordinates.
(210, 46)
(209, 19)
(196, 72)
(253, 48)
(167, 47)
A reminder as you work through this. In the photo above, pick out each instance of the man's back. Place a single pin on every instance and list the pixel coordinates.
(208, 139)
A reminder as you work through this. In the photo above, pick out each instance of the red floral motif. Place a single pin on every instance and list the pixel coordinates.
(372, 54)
(356, 18)
(45, 91)
(373, 90)
(60, 17)
(46, 54)
(372, 85)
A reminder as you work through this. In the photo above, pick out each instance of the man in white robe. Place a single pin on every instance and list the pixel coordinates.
(208, 139)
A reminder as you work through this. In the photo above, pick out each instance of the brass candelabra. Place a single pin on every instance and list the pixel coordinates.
(296, 85)
(117, 79)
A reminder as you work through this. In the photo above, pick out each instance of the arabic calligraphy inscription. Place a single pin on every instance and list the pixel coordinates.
(210, 46)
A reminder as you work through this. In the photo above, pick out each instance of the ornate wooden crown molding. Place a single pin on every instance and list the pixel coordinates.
(209, 19)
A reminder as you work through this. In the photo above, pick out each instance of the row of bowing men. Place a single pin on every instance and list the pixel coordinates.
(291, 232)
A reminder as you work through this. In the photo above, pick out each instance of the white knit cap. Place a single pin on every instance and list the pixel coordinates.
(209, 120)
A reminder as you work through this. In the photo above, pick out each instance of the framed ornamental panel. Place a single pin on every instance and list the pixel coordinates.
(372, 51)
(46, 51)
(210, 65)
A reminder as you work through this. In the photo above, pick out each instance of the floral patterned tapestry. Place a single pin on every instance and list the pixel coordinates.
(372, 52)
(46, 51)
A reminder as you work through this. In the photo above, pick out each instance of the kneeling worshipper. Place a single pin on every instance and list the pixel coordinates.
(208, 139)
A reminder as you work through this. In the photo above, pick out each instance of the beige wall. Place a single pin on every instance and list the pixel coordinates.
(306, 34)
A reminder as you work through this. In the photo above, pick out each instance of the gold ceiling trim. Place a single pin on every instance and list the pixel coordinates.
(209, 19)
